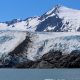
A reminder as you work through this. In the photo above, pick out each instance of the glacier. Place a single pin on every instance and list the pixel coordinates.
(40, 43)
(43, 42)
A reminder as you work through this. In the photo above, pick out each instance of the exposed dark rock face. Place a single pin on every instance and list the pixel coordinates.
(22, 47)
(51, 21)
(18, 55)
(27, 64)
(45, 15)
(12, 21)
(53, 59)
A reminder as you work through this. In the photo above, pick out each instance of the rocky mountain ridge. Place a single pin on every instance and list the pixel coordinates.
(58, 19)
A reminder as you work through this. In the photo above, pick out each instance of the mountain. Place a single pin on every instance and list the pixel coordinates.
(28, 48)
(47, 41)
(58, 19)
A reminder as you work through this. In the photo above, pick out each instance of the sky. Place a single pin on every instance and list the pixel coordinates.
(21, 9)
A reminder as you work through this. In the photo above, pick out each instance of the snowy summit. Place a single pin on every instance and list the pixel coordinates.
(58, 19)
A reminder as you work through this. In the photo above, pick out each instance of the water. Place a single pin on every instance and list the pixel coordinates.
(40, 74)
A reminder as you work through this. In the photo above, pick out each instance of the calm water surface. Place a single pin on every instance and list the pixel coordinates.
(39, 74)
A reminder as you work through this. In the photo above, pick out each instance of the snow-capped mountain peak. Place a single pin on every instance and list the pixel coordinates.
(60, 9)
(61, 19)
(58, 19)
(54, 10)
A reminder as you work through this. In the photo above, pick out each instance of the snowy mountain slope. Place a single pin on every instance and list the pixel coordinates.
(58, 19)
(28, 24)
(9, 40)
(3, 26)
(25, 25)
(44, 42)
(40, 44)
